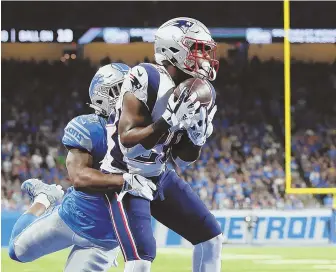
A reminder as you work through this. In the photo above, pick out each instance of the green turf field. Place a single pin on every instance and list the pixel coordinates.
(256, 259)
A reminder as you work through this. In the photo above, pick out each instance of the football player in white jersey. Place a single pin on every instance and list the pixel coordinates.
(150, 126)
(83, 218)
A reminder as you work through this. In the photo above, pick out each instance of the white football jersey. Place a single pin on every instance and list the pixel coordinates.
(152, 85)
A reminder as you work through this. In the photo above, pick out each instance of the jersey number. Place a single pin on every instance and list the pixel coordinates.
(153, 157)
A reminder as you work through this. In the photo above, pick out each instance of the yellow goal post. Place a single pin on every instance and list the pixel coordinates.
(287, 79)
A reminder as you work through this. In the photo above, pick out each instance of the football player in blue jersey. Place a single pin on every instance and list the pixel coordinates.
(82, 220)
(149, 127)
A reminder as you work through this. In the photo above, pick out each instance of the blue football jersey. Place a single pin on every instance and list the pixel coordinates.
(87, 214)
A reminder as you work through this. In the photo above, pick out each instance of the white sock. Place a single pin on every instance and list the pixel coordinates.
(138, 266)
(207, 255)
(42, 199)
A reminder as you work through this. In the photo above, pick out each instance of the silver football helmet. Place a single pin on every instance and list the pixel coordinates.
(187, 44)
(105, 87)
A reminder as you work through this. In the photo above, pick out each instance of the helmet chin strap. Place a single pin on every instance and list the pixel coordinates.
(97, 109)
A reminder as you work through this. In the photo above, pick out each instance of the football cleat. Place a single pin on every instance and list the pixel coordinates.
(34, 187)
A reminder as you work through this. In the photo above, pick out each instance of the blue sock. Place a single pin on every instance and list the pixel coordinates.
(24, 221)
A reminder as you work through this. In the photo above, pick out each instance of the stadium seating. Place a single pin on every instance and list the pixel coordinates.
(241, 166)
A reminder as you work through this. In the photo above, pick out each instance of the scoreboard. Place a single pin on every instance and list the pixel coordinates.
(33, 36)
(120, 35)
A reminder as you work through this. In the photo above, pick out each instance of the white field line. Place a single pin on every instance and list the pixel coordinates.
(297, 261)
(325, 267)
(225, 256)
(250, 257)
(319, 264)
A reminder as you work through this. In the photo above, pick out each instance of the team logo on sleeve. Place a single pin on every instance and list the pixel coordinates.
(135, 82)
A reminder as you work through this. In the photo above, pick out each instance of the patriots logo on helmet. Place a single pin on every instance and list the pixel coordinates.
(135, 82)
(97, 79)
(183, 25)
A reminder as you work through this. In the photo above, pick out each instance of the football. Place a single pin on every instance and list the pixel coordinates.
(203, 89)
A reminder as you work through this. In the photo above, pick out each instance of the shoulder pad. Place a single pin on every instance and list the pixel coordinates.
(143, 81)
(78, 132)
(88, 119)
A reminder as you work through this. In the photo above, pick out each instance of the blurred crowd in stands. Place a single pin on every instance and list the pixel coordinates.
(154, 13)
(242, 164)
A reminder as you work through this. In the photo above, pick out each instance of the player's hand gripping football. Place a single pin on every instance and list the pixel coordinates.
(138, 186)
(201, 127)
(179, 113)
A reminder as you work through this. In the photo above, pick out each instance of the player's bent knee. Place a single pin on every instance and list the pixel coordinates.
(212, 224)
(210, 228)
(148, 253)
(145, 248)
(20, 253)
(12, 254)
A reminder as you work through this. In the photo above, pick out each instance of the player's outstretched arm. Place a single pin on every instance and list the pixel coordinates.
(136, 126)
(83, 176)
